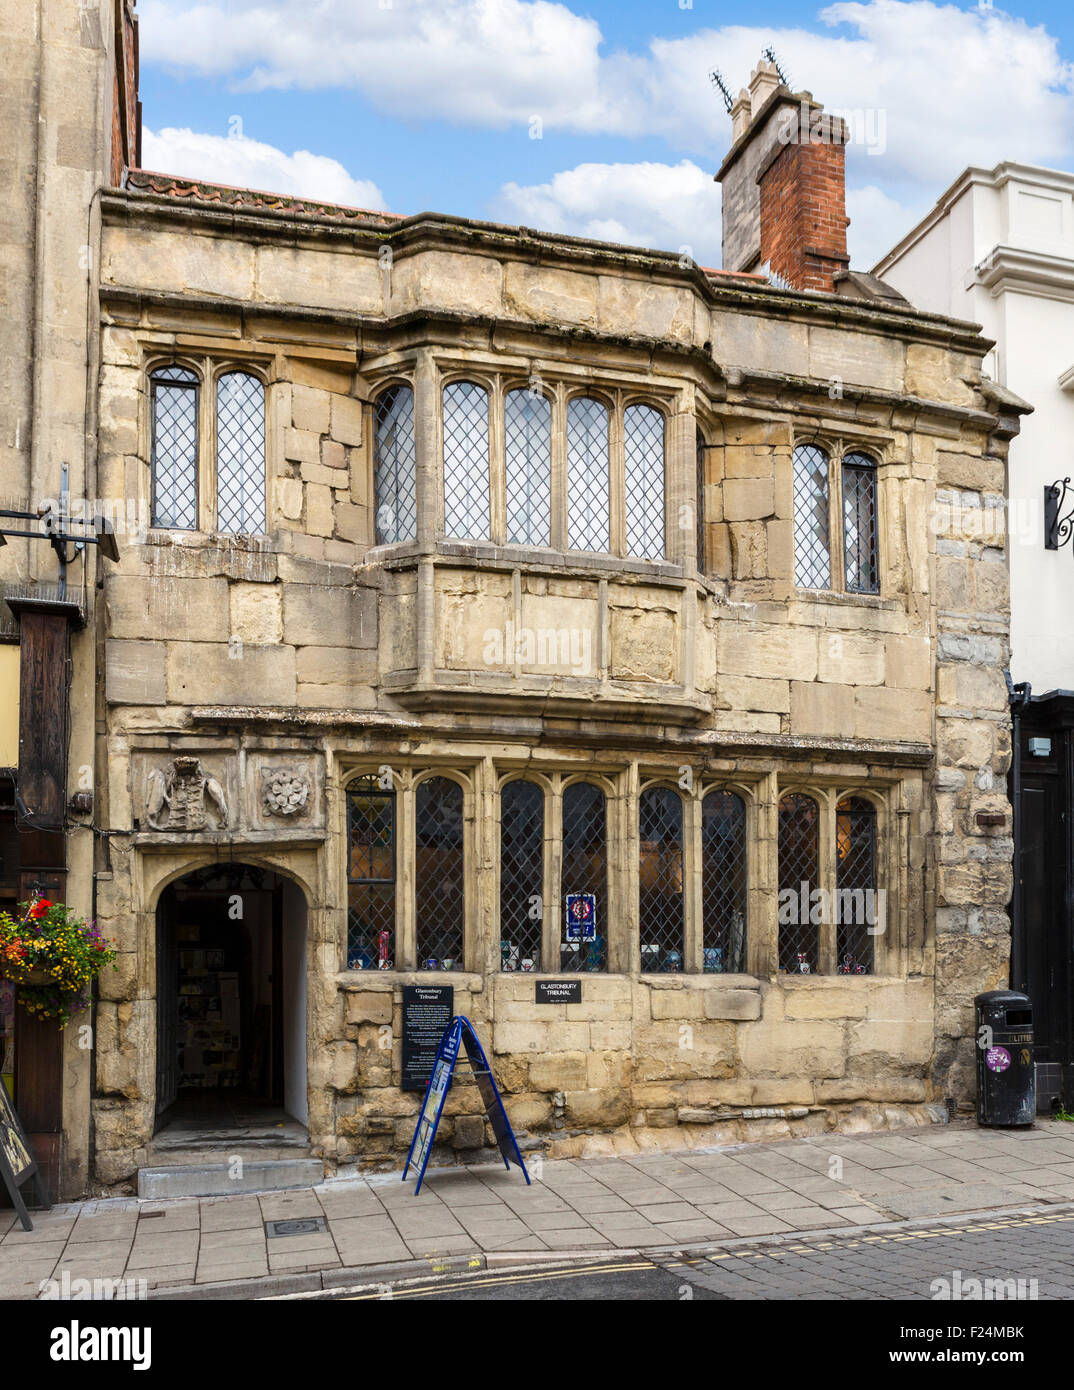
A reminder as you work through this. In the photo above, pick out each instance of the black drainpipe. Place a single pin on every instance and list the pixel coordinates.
(1018, 697)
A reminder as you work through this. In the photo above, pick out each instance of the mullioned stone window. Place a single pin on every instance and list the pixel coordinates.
(829, 483)
(208, 450)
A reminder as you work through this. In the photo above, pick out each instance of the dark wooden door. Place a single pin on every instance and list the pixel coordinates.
(1045, 886)
(167, 1007)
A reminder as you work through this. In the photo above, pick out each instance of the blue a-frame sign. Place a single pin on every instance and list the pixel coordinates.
(460, 1032)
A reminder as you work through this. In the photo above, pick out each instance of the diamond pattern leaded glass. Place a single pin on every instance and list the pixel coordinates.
(812, 547)
(521, 875)
(438, 874)
(859, 524)
(175, 448)
(240, 453)
(466, 461)
(799, 824)
(643, 457)
(723, 882)
(370, 875)
(588, 496)
(700, 503)
(660, 905)
(394, 466)
(585, 870)
(527, 424)
(856, 896)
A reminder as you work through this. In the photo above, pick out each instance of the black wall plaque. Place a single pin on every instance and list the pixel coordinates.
(427, 1011)
(559, 991)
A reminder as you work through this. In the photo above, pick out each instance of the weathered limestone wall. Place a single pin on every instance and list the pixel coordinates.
(55, 118)
(315, 645)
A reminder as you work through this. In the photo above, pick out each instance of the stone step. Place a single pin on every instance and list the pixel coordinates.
(217, 1180)
(205, 1154)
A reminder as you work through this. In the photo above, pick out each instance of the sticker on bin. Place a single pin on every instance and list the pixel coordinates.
(997, 1059)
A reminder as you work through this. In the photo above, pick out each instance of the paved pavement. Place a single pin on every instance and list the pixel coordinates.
(662, 1201)
(1011, 1257)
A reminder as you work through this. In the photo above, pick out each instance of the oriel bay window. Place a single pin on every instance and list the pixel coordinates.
(542, 467)
(827, 486)
(466, 461)
(208, 462)
(527, 427)
(394, 472)
(588, 476)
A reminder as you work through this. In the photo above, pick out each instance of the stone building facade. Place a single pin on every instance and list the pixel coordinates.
(474, 575)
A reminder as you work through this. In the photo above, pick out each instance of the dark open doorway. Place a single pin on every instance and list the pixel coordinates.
(231, 1002)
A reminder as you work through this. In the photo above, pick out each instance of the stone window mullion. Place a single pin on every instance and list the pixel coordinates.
(497, 464)
(405, 919)
(617, 477)
(827, 959)
(693, 907)
(553, 875)
(207, 448)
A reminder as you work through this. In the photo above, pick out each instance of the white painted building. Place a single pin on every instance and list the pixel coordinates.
(998, 249)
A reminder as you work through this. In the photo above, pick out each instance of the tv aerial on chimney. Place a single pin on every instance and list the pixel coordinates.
(770, 54)
(717, 81)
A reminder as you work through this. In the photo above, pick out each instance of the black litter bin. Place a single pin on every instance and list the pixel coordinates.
(1006, 1084)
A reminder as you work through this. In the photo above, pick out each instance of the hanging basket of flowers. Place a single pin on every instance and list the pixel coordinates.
(53, 957)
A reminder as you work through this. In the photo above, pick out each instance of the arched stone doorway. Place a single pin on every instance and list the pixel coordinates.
(231, 1007)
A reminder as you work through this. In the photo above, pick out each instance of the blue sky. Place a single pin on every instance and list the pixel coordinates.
(416, 104)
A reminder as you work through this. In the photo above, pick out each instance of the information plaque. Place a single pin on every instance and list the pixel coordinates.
(559, 992)
(427, 1011)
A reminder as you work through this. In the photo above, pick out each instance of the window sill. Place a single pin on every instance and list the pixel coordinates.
(840, 598)
(535, 559)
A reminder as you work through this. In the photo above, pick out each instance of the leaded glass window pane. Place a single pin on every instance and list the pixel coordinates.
(799, 847)
(175, 448)
(723, 882)
(812, 547)
(438, 874)
(240, 453)
(700, 502)
(857, 905)
(370, 876)
(527, 420)
(521, 875)
(660, 881)
(394, 466)
(643, 456)
(859, 524)
(588, 463)
(466, 461)
(585, 870)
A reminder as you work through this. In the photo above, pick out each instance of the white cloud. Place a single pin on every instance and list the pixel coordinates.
(659, 206)
(945, 85)
(876, 223)
(486, 62)
(957, 84)
(246, 163)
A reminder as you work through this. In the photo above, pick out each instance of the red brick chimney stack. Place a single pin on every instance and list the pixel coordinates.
(784, 190)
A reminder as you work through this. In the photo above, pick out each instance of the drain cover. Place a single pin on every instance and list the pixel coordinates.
(300, 1226)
